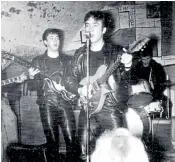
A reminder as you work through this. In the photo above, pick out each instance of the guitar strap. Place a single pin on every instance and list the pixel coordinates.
(80, 61)
(107, 61)
(82, 64)
(43, 67)
(107, 55)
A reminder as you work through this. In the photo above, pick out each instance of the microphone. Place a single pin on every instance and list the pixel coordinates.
(88, 35)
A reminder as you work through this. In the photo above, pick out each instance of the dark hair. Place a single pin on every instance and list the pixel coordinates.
(98, 15)
(51, 31)
(104, 16)
(148, 51)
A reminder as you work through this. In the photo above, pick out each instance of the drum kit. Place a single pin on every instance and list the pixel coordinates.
(140, 107)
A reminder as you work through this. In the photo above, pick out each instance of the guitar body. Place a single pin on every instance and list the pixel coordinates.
(56, 85)
(98, 98)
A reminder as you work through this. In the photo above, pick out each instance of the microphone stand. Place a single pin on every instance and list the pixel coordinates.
(87, 106)
(168, 98)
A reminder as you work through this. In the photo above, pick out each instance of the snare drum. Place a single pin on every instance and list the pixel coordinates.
(140, 95)
(154, 107)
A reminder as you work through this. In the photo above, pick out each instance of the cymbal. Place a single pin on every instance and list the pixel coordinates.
(169, 84)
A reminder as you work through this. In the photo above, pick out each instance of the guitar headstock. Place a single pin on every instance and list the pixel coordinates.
(7, 55)
(19, 60)
(139, 44)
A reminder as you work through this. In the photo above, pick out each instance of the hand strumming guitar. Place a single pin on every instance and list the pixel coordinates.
(83, 91)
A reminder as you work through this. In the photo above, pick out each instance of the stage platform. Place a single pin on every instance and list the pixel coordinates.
(32, 132)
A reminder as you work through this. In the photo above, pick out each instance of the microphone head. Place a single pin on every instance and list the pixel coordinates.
(88, 35)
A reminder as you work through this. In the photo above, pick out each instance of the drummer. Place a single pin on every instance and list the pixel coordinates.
(149, 70)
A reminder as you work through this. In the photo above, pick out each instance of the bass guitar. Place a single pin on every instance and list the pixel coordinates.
(54, 81)
(98, 81)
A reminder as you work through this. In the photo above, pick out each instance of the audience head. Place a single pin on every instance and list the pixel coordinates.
(119, 146)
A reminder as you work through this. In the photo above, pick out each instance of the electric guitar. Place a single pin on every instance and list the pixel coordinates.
(17, 79)
(98, 81)
(54, 81)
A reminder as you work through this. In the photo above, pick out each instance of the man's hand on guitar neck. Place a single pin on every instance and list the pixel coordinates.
(33, 72)
(83, 91)
(126, 59)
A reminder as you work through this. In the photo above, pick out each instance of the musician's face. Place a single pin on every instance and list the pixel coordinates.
(52, 42)
(95, 29)
(146, 60)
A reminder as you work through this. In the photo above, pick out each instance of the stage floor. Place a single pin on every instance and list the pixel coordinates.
(32, 132)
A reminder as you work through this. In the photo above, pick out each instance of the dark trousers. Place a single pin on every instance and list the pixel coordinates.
(57, 113)
(107, 119)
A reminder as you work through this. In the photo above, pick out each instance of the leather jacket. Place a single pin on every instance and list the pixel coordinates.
(158, 76)
(48, 69)
(110, 53)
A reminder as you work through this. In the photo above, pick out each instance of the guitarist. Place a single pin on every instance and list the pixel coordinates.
(10, 95)
(55, 112)
(101, 52)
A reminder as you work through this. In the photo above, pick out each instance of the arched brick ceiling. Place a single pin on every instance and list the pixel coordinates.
(23, 22)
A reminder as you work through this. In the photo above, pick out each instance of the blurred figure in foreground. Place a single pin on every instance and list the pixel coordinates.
(119, 145)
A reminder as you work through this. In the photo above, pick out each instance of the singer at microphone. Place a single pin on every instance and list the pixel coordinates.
(102, 54)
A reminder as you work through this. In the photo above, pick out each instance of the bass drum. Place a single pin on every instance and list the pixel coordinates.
(140, 94)
(138, 122)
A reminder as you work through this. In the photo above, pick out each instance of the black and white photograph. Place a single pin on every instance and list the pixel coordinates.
(88, 81)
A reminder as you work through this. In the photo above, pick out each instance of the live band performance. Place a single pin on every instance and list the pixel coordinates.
(88, 81)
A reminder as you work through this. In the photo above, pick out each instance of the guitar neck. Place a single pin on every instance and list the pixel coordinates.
(108, 73)
(24, 63)
(9, 81)
(29, 65)
(135, 47)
